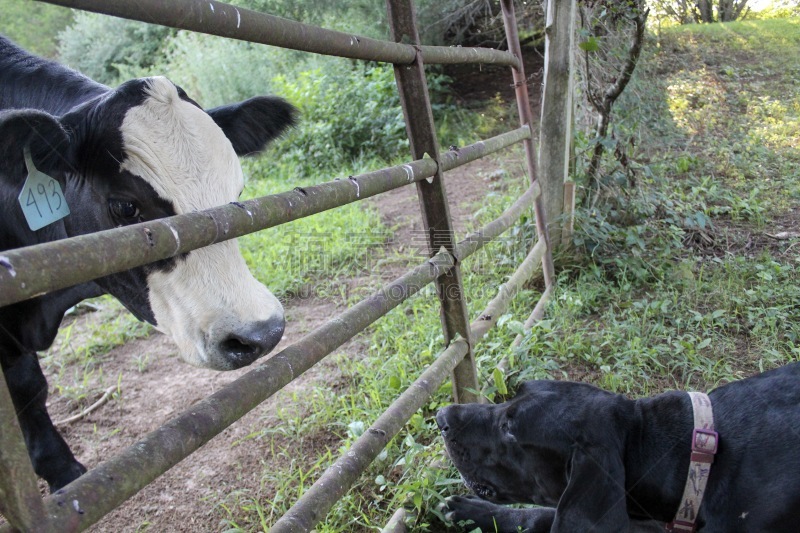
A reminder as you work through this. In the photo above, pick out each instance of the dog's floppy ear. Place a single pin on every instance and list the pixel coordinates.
(594, 499)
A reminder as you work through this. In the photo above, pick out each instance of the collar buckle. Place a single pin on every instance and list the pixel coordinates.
(704, 445)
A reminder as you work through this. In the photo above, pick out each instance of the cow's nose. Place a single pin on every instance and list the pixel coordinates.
(244, 346)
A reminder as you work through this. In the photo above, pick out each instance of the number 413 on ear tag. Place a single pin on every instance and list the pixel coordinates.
(41, 198)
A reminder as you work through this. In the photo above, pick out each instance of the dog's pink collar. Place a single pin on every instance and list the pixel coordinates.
(704, 445)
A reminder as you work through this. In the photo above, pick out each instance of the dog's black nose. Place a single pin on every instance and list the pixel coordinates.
(441, 420)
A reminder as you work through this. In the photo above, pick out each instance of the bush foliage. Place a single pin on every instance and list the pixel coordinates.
(349, 109)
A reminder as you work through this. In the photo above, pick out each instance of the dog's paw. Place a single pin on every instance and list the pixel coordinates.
(493, 518)
(66, 476)
(458, 508)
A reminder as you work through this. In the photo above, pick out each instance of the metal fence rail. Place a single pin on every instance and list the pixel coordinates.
(225, 20)
(32, 271)
(35, 270)
(311, 508)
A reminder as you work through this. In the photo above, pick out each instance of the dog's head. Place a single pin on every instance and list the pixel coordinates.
(555, 443)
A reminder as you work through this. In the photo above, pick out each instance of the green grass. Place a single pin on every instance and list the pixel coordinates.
(733, 100)
(322, 248)
(684, 288)
(75, 361)
(407, 340)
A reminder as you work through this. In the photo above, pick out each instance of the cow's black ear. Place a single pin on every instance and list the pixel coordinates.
(594, 499)
(251, 124)
(41, 132)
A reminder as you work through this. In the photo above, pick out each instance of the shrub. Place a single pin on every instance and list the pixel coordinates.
(107, 48)
(346, 112)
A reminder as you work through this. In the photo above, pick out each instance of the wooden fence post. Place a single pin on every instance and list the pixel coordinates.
(555, 129)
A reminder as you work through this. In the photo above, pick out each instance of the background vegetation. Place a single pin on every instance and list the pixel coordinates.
(684, 274)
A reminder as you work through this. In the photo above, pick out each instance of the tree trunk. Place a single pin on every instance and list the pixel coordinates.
(705, 9)
(725, 10)
(603, 102)
(738, 8)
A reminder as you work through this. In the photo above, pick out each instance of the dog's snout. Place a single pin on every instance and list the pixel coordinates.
(441, 420)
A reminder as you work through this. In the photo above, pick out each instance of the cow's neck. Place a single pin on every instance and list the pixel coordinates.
(657, 455)
(32, 325)
(29, 82)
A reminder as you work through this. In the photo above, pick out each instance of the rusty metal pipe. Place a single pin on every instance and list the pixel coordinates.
(111, 483)
(526, 118)
(396, 524)
(455, 156)
(337, 479)
(225, 20)
(499, 304)
(415, 101)
(20, 501)
(490, 231)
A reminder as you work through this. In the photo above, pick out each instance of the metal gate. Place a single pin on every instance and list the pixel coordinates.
(35, 270)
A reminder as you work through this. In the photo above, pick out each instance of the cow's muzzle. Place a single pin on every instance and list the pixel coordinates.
(245, 345)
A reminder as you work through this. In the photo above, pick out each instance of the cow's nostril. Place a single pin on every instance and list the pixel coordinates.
(244, 346)
(238, 345)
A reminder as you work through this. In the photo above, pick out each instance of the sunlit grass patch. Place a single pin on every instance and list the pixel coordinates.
(315, 250)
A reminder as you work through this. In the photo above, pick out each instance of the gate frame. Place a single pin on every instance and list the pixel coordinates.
(28, 271)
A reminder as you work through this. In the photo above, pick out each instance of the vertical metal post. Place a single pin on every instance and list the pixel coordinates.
(20, 501)
(555, 137)
(526, 118)
(415, 100)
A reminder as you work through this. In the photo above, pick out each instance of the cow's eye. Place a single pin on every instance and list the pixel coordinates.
(124, 209)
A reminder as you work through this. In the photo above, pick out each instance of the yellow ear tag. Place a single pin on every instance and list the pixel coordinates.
(41, 198)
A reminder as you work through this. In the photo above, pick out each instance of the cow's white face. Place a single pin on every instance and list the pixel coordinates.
(208, 301)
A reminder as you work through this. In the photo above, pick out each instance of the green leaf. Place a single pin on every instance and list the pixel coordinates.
(418, 500)
(499, 381)
(516, 327)
(394, 382)
(590, 45)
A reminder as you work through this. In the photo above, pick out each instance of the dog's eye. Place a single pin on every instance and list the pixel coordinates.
(506, 430)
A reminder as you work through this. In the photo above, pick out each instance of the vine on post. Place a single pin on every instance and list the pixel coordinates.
(612, 36)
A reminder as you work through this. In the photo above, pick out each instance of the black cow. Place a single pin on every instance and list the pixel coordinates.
(139, 152)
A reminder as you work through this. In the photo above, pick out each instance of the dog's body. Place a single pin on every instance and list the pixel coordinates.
(601, 462)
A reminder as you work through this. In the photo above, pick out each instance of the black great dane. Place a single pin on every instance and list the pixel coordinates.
(139, 152)
(597, 461)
